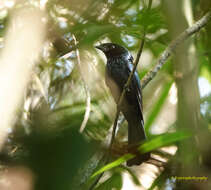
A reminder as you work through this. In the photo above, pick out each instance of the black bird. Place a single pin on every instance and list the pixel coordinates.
(118, 68)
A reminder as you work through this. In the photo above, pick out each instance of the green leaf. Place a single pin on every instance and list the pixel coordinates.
(150, 19)
(114, 164)
(163, 140)
(94, 31)
(160, 180)
(205, 73)
(114, 182)
(156, 47)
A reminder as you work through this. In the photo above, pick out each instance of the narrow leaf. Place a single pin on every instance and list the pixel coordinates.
(114, 164)
(163, 140)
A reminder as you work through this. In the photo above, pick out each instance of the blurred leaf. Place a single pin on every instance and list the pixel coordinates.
(56, 158)
(98, 122)
(135, 31)
(114, 164)
(123, 3)
(158, 105)
(93, 31)
(114, 182)
(151, 20)
(3, 22)
(160, 180)
(205, 108)
(155, 47)
(163, 140)
(205, 72)
(82, 178)
(133, 176)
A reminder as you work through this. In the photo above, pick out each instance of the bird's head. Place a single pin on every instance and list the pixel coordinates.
(112, 50)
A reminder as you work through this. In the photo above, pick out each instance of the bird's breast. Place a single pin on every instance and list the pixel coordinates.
(114, 88)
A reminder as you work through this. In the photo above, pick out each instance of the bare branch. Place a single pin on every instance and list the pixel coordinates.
(173, 45)
(88, 97)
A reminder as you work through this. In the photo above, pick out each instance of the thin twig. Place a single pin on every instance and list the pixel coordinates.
(173, 45)
(88, 97)
(66, 55)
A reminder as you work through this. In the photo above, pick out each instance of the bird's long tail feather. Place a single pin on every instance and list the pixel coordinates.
(136, 135)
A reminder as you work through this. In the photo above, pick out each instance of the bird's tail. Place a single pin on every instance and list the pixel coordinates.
(136, 135)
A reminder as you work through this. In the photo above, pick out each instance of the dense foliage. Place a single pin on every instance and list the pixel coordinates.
(70, 75)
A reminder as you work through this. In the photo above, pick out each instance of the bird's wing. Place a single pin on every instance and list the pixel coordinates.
(136, 86)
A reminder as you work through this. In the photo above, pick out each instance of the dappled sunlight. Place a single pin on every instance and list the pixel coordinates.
(19, 178)
(58, 115)
(147, 173)
(16, 65)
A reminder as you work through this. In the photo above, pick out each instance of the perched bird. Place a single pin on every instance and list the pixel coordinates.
(118, 68)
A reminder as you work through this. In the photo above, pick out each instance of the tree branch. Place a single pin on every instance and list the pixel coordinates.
(88, 97)
(173, 45)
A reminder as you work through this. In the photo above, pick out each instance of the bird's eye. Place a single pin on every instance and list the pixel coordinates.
(113, 46)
